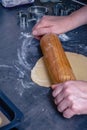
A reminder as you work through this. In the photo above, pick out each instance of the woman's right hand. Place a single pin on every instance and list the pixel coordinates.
(71, 97)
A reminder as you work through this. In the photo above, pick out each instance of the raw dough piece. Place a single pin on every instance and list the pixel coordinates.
(3, 120)
(78, 63)
(0, 121)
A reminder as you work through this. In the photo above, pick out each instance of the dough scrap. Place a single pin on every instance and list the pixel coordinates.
(0, 121)
(78, 63)
(3, 120)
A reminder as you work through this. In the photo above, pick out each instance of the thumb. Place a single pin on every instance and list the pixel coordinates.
(53, 86)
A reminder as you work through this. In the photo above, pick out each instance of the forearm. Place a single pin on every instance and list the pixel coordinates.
(60, 24)
(78, 18)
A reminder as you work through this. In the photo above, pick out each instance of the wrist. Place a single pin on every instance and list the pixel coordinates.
(69, 23)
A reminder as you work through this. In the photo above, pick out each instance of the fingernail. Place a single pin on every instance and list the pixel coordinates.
(34, 32)
(53, 86)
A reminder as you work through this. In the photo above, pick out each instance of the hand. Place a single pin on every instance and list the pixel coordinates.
(60, 24)
(51, 24)
(71, 97)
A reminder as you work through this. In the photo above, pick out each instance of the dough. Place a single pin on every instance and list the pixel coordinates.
(0, 121)
(3, 120)
(39, 74)
(78, 63)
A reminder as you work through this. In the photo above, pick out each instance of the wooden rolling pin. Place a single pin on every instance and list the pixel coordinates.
(57, 64)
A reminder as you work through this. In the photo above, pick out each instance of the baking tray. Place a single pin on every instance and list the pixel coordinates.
(11, 116)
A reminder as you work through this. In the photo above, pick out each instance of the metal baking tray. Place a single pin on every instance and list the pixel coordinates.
(10, 115)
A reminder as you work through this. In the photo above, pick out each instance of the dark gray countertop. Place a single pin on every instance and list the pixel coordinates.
(18, 54)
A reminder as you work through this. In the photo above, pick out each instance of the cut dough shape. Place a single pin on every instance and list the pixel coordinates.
(78, 63)
(3, 120)
(0, 121)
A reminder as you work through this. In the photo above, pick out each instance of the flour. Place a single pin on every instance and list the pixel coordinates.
(26, 35)
(6, 66)
(64, 37)
(22, 52)
(21, 64)
(22, 85)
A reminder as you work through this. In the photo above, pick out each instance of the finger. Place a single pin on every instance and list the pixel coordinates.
(59, 98)
(64, 104)
(57, 90)
(36, 25)
(41, 31)
(68, 113)
(37, 37)
(54, 86)
(42, 23)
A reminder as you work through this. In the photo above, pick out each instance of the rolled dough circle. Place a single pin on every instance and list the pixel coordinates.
(78, 63)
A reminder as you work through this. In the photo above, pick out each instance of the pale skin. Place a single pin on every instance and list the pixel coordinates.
(60, 24)
(70, 97)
